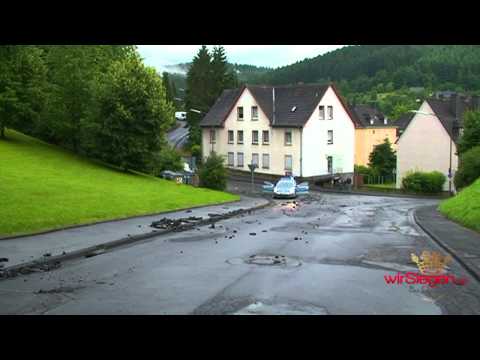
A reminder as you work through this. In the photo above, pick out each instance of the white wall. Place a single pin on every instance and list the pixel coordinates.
(425, 146)
(315, 135)
(276, 147)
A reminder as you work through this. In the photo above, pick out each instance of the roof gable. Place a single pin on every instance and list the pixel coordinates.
(293, 105)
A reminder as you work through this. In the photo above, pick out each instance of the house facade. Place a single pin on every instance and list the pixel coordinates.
(303, 130)
(429, 142)
(373, 130)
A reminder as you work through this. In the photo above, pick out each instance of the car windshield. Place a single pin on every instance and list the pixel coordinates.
(285, 184)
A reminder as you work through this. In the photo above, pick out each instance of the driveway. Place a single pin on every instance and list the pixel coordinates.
(325, 254)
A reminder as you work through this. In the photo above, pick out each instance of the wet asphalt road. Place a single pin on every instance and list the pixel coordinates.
(332, 254)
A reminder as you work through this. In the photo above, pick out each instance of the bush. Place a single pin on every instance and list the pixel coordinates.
(213, 174)
(167, 159)
(469, 168)
(424, 182)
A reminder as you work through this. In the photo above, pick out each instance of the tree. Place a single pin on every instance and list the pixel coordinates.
(471, 131)
(200, 93)
(212, 173)
(223, 77)
(22, 87)
(168, 87)
(383, 159)
(134, 115)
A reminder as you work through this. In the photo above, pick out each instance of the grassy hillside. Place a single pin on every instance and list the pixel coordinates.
(465, 207)
(43, 187)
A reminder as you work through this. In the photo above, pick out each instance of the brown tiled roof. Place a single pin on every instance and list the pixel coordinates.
(304, 98)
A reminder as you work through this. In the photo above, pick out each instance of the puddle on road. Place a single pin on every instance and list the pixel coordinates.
(259, 308)
(265, 260)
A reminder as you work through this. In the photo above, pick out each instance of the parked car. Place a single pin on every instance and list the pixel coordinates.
(286, 187)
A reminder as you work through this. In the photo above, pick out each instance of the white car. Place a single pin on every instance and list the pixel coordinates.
(286, 187)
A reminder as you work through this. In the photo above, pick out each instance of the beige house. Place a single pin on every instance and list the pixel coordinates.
(303, 130)
(373, 130)
(429, 142)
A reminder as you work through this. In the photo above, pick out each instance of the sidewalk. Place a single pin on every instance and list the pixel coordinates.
(27, 249)
(462, 243)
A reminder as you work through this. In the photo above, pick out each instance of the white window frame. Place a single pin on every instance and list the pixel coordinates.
(238, 137)
(254, 118)
(321, 112)
(253, 139)
(238, 113)
(267, 165)
(330, 112)
(330, 162)
(232, 163)
(233, 137)
(291, 163)
(213, 136)
(263, 137)
(329, 138)
(240, 155)
(291, 138)
(258, 159)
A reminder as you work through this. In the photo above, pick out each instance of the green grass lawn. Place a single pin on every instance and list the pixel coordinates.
(381, 186)
(44, 187)
(464, 208)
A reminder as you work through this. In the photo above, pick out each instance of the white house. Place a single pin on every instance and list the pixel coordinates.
(429, 142)
(305, 130)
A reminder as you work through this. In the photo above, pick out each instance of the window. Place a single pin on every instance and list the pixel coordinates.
(212, 136)
(254, 113)
(239, 159)
(322, 112)
(240, 113)
(240, 137)
(330, 137)
(288, 162)
(255, 159)
(265, 161)
(373, 132)
(231, 159)
(231, 139)
(330, 164)
(288, 138)
(330, 112)
(255, 137)
(266, 137)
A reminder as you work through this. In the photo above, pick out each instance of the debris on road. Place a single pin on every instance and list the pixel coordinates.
(63, 289)
(166, 223)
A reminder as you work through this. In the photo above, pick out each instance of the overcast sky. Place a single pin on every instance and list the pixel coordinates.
(260, 55)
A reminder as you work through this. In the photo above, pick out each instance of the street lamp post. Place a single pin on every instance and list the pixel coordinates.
(252, 168)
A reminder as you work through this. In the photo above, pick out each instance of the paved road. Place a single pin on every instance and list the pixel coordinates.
(179, 136)
(333, 252)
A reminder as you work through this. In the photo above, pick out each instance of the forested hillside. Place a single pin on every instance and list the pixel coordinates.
(393, 78)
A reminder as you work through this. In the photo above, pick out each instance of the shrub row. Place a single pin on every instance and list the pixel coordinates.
(424, 182)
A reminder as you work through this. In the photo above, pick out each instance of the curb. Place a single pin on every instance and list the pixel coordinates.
(112, 220)
(54, 261)
(471, 270)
